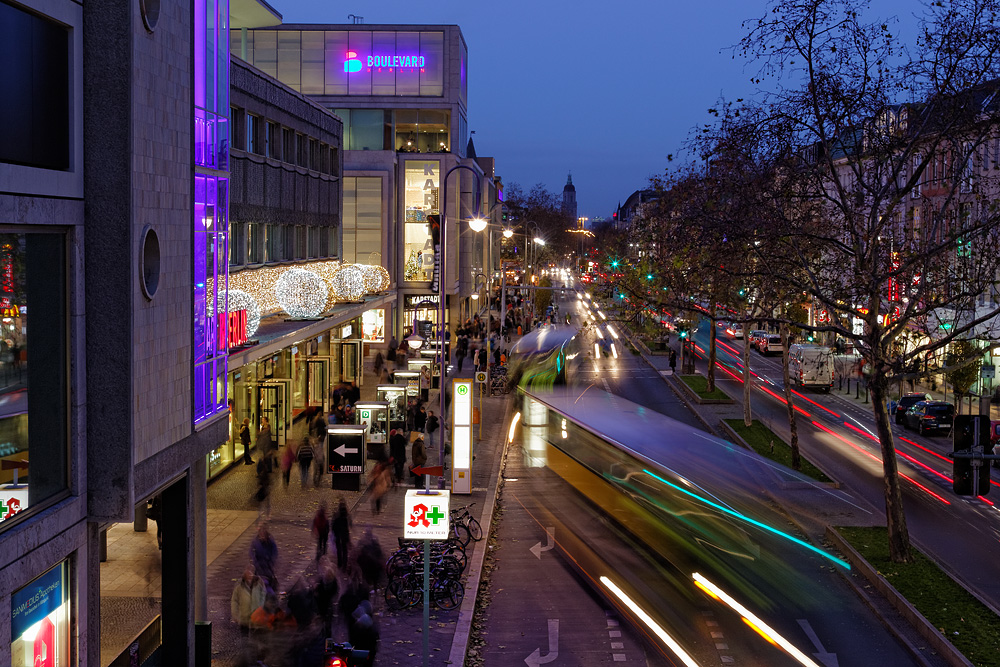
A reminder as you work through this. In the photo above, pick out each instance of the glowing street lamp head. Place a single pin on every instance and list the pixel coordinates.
(540, 241)
(477, 224)
(507, 233)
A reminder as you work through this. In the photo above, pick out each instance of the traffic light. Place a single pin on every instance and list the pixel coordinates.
(649, 276)
(971, 433)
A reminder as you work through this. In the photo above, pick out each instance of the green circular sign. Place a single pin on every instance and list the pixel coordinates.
(366, 414)
(463, 389)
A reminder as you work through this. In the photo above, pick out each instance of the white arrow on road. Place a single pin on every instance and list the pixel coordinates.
(536, 657)
(344, 450)
(550, 534)
(828, 659)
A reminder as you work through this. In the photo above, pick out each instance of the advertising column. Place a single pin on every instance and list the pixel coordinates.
(461, 436)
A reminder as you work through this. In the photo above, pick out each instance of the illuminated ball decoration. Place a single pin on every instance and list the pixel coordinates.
(301, 293)
(373, 279)
(240, 300)
(349, 283)
(386, 281)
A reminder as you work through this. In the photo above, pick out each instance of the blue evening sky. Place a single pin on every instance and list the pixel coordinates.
(605, 90)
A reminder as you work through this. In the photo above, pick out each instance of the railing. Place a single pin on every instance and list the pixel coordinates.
(142, 647)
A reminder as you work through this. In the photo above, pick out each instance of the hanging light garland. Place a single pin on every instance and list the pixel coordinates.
(301, 293)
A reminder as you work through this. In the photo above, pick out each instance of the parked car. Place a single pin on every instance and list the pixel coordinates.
(735, 330)
(907, 402)
(770, 344)
(811, 366)
(927, 416)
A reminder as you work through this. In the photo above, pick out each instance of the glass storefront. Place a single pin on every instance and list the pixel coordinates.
(423, 309)
(40, 621)
(421, 197)
(33, 373)
(286, 385)
(423, 130)
(373, 323)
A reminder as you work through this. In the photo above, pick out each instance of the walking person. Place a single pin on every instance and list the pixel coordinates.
(305, 457)
(379, 481)
(264, 556)
(341, 528)
(287, 458)
(418, 456)
(264, 442)
(245, 440)
(321, 530)
(248, 594)
(379, 362)
(397, 449)
(263, 495)
(673, 362)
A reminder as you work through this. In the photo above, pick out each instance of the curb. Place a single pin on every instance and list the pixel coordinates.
(736, 438)
(705, 401)
(937, 641)
(463, 625)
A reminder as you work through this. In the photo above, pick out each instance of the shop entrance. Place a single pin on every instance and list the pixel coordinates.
(274, 402)
(350, 361)
(318, 382)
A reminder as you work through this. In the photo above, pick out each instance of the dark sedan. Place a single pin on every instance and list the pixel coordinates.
(929, 416)
(907, 402)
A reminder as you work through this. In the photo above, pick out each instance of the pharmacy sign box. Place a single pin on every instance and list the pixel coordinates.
(425, 515)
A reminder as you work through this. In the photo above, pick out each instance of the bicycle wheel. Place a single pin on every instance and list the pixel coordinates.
(397, 594)
(448, 593)
(461, 533)
(449, 567)
(475, 530)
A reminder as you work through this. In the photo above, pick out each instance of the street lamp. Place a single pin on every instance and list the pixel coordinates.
(442, 262)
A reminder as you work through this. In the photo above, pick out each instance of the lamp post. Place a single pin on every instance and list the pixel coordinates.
(442, 263)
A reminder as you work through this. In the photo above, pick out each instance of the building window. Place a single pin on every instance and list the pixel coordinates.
(237, 127)
(366, 129)
(275, 243)
(287, 145)
(314, 242)
(33, 372)
(301, 242)
(237, 244)
(373, 325)
(421, 199)
(272, 141)
(34, 130)
(423, 131)
(362, 225)
(255, 134)
(332, 161)
(255, 243)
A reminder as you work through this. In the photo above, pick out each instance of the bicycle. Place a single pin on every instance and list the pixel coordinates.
(406, 588)
(460, 516)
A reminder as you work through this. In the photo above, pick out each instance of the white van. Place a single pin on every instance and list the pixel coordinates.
(810, 366)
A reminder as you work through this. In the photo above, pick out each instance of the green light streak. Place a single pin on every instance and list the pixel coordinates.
(747, 519)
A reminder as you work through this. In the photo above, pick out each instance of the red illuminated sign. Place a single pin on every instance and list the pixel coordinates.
(233, 329)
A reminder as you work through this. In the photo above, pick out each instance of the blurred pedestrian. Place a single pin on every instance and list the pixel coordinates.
(379, 481)
(370, 559)
(264, 442)
(287, 458)
(321, 530)
(324, 594)
(673, 361)
(245, 440)
(264, 556)
(341, 528)
(247, 596)
(305, 457)
(263, 495)
(418, 453)
(397, 449)
(363, 633)
(379, 362)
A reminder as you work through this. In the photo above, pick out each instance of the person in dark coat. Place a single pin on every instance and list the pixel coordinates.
(397, 449)
(321, 530)
(245, 440)
(418, 455)
(341, 529)
(673, 361)
(324, 594)
(264, 556)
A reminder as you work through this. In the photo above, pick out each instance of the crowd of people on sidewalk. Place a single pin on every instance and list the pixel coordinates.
(291, 629)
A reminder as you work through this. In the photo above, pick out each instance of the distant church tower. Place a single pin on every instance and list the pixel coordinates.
(569, 199)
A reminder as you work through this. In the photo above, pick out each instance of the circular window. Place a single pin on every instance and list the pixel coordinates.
(150, 10)
(149, 262)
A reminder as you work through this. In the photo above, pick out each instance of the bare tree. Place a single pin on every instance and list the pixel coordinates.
(886, 174)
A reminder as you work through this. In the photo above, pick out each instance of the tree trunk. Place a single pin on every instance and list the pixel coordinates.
(747, 379)
(793, 428)
(895, 517)
(710, 374)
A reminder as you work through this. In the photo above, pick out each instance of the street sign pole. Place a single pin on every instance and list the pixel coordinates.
(419, 515)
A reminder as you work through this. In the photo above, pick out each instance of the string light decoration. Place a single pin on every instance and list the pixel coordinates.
(349, 283)
(240, 300)
(301, 293)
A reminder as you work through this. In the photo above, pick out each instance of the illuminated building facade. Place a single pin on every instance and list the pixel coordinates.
(402, 92)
